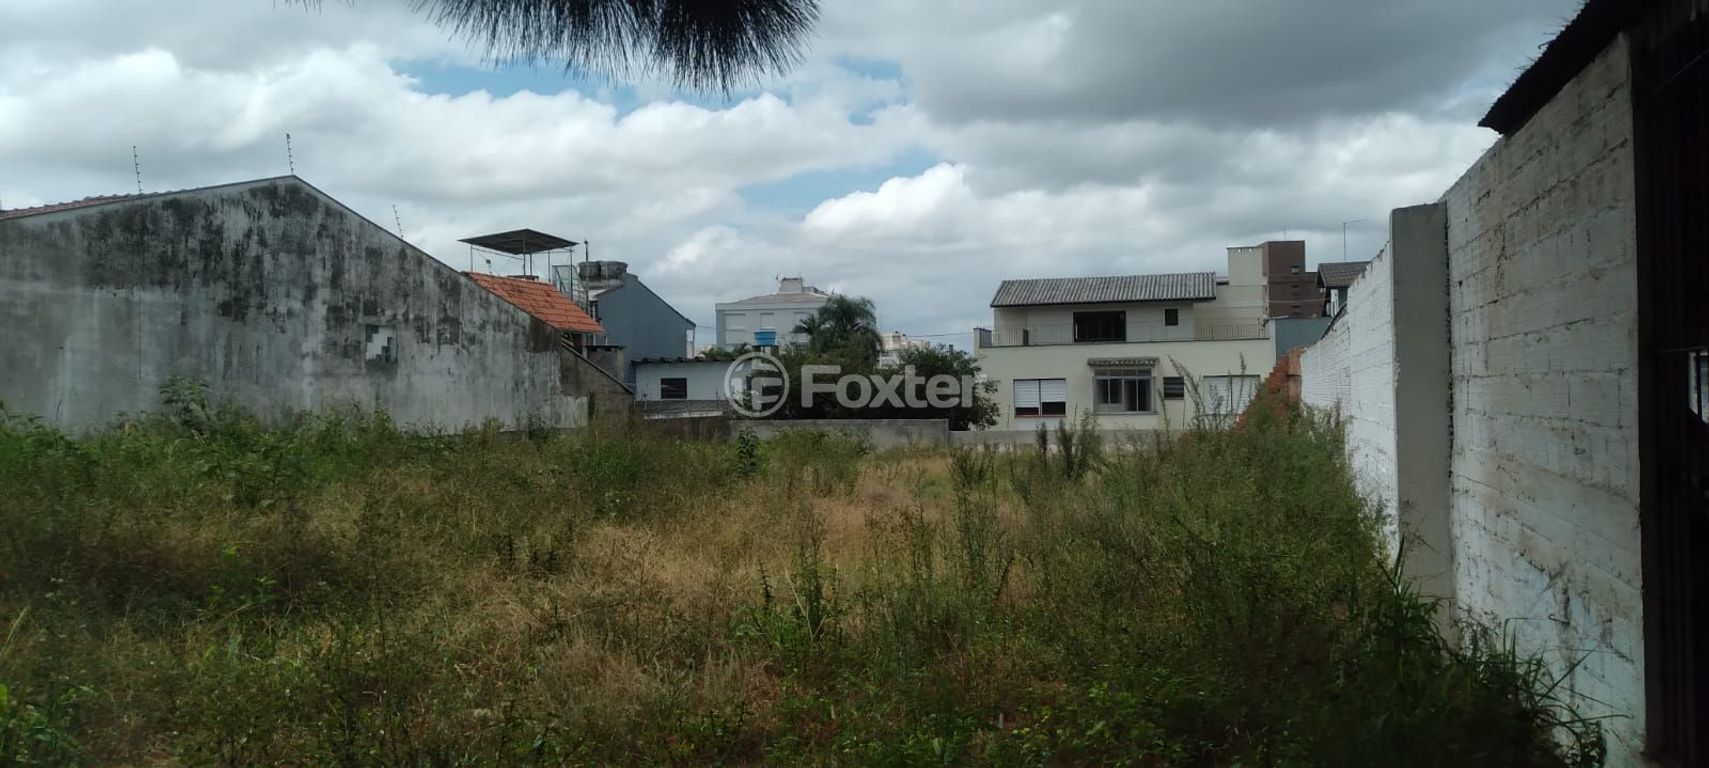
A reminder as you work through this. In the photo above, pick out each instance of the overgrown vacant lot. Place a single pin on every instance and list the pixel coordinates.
(195, 589)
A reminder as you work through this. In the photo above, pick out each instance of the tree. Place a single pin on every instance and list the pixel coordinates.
(844, 331)
(702, 44)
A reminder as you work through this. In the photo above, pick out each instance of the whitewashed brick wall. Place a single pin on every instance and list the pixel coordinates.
(1544, 476)
(1351, 371)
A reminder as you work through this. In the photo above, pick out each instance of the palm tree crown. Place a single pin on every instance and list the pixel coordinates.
(703, 44)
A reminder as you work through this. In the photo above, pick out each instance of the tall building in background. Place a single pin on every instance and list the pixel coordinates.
(1289, 290)
(769, 320)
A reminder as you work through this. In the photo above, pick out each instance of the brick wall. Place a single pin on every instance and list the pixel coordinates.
(1544, 477)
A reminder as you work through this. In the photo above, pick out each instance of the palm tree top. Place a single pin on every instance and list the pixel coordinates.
(701, 44)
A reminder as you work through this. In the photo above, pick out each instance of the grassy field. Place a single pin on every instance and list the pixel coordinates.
(195, 589)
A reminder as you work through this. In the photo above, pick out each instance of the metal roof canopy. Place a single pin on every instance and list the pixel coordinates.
(520, 242)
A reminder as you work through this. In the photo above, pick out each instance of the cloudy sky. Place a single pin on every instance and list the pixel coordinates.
(924, 151)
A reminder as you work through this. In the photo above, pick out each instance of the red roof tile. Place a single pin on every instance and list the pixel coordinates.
(540, 300)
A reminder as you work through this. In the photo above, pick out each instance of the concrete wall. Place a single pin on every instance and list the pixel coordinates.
(1542, 261)
(282, 300)
(645, 324)
(884, 433)
(1530, 471)
(1352, 371)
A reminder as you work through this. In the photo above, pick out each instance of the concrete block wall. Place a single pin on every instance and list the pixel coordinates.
(1352, 371)
(282, 300)
(1544, 475)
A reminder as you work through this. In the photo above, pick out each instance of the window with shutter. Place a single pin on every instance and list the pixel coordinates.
(1026, 397)
(1041, 397)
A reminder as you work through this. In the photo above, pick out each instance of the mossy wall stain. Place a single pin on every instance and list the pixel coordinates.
(266, 290)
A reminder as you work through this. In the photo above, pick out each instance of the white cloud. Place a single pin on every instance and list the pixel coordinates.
(1072, 138)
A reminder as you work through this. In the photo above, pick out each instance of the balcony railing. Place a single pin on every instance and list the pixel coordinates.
(1044, 335)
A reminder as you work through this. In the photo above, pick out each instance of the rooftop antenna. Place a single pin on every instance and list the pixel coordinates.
(136, 165)
(290, 157)
(1344, 236)
(397, 220)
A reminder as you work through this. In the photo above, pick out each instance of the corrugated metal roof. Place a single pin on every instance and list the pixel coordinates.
(540, 300)
(518, 242)
(1185, 286)
(1340, 274)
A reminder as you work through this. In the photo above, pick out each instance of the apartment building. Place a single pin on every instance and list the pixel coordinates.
(1139, 352)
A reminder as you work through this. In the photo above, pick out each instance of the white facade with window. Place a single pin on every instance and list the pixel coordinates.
(680, 380)
(769, 320)
(1194, 345)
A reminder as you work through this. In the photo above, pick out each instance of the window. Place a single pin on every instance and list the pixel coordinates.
(1227, 394)
(1122, 390)
(1041, 397)
(1171, 317)
(768, 321)
(1174, 387)
(1296, 269)
(673, 388)
(1100, 326)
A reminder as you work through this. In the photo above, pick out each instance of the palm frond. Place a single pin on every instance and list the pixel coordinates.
(701, 44)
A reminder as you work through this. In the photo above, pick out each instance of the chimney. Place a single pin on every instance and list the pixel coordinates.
(791, 285)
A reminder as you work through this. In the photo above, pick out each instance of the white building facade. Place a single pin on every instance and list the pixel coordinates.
(769, 320)
(1138, 352)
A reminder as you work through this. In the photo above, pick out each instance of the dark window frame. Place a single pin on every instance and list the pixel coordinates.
(1101, 326)
(673, 384)
(1135, 385)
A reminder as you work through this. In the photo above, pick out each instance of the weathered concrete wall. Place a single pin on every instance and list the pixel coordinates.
(282, 300)
(1542, 259)
(884, 433)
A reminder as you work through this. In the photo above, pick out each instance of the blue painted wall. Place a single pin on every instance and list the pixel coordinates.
(646, 325)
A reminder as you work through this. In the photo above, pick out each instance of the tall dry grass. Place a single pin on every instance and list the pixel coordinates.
(198, 588)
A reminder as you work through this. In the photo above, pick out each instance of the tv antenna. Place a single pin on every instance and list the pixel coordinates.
(397, 220)
(136, 166)
(290, 157)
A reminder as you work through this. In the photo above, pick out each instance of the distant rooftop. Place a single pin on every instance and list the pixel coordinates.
(790, 290)
(520, 242)
(539, 299)
(1340, 274)
(1185, 286)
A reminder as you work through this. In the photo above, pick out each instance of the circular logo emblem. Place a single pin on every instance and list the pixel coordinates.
(756, 385)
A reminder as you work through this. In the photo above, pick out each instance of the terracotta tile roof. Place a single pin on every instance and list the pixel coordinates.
(540, 300)
(84, 203)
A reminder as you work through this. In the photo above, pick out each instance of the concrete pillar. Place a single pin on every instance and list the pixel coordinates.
(1423, 412)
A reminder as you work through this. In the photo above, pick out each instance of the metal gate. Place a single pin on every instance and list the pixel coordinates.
(1671, 69)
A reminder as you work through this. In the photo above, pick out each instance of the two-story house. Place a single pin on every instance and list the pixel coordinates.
(1127, 349)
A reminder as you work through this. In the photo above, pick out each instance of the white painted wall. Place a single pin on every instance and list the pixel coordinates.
(1542, 475)
(1542, 260)
(706, 380)
(1352, 371)
(1003, 365)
